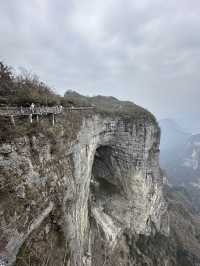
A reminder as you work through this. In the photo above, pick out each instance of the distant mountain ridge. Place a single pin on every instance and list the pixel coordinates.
(173, 141)
(180, 154)
(172, 135)
(191, 158)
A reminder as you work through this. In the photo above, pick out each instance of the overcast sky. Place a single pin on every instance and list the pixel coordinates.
(147, 51)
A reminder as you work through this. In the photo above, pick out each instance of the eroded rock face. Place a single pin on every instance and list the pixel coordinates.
(91, 193)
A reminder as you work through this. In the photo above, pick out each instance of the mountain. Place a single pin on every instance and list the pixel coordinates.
(173, 141)
(88, 191)
(182, 246)
(172, 135)
(180, 158)
(84, 187)
(189, 169)
(84, 190)
(184, 238)
(191, 155)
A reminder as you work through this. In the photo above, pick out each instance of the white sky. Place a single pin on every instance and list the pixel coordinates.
(147, 51)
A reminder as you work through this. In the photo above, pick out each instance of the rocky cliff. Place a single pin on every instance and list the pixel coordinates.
(84, 200)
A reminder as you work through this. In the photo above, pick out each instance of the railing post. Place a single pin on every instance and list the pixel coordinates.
(53, 119)
(31, 118)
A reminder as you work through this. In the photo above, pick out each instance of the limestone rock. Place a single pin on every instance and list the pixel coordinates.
(91, 190)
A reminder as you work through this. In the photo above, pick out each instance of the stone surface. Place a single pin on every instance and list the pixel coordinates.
(92, 190)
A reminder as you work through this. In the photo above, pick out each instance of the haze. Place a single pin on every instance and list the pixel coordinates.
(144, 51)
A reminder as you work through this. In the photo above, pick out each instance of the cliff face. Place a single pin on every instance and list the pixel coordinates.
(81, 202)
(190, 160)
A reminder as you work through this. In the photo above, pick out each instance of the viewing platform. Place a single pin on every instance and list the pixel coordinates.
(44, 110)
(38, 111)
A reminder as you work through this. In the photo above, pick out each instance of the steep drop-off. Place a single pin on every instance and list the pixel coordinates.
(85, 200)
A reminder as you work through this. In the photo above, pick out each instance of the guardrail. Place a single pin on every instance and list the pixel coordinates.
(21, 111)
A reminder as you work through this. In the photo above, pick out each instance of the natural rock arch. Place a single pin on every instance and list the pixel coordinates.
(120, 159)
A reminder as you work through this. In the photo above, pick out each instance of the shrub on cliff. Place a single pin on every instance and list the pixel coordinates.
(31, 89)
(108, 105)
(24, 89)
(7, 89)
(73, 98)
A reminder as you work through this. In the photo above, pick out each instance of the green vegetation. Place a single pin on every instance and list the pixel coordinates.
(109, 106)
(24, 89)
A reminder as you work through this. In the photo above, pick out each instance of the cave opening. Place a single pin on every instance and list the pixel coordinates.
(104, 180)
(107, 201)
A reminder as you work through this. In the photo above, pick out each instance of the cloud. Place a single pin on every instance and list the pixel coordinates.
(146, 51)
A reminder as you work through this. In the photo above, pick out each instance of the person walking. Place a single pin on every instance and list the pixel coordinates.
(32, 107)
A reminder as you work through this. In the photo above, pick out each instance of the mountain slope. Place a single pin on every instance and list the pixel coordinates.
(173, 140)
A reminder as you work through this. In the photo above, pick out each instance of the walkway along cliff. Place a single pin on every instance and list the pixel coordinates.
(84, 193)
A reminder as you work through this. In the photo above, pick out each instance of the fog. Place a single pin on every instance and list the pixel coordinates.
(144, 51)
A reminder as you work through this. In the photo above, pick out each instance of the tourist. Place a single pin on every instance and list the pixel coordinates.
(32, 107)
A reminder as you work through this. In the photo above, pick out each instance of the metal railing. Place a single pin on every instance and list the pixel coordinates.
(20, 111)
